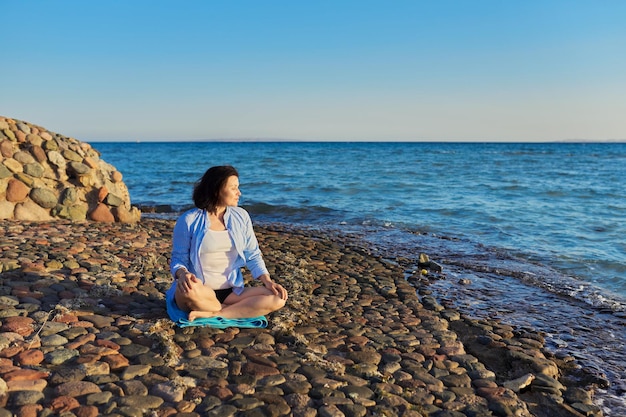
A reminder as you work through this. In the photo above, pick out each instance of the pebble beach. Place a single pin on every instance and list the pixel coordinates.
(84, 332)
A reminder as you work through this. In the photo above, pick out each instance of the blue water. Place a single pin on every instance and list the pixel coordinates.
(562, 204)
(534, 225)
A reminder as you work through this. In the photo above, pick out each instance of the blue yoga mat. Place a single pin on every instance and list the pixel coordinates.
(179, 317)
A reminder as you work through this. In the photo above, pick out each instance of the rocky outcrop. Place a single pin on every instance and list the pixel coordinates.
(45, 175)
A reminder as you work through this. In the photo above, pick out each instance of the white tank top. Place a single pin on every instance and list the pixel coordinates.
(217, 258)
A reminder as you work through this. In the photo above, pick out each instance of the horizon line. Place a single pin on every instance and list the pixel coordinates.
(263, 140)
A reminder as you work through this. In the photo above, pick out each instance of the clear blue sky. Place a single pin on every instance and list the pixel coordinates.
(473, 70)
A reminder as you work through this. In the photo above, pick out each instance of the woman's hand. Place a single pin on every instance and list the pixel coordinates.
(185, 280)
(275, 288)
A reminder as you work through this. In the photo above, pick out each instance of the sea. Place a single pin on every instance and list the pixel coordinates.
(532, 234)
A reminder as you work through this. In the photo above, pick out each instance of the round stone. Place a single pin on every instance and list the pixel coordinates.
(4, 172)
(60, 356)
(23, 157)
(20, 398)
(34, 169)
(16, 191)
(38, 153)
(77, 388)
(53, 340)
(79, 168)
(13, 165)
(72, 156)
(56, 158)
(44, 197)
(6, 148)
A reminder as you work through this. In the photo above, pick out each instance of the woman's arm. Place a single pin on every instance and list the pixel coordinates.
(181, 245)
(253, 256)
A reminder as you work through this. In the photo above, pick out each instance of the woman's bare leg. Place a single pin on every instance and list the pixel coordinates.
(252, 302)
(199, 298)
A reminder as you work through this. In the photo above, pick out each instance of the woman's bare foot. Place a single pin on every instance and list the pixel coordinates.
(202, 314)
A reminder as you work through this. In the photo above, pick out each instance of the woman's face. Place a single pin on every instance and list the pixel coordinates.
(229, 195)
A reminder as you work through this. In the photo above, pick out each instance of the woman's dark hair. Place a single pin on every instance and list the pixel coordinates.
(206, 193)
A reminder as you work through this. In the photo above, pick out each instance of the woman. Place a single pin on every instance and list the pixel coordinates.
(210, 245)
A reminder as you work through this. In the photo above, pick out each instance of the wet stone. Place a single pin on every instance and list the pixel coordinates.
(587, 409)
(578, 395)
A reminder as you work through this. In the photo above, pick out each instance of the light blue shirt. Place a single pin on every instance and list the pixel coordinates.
(189, 231)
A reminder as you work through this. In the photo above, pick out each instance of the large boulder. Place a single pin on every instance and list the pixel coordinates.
(45, 175)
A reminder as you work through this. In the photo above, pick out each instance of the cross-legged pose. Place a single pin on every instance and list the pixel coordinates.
(210, 245)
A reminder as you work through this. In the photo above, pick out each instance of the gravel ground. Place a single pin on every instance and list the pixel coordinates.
(84, 332)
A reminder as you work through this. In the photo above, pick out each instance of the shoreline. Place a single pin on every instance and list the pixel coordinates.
(84, 329)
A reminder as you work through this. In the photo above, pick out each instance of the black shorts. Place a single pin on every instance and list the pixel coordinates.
(222, 294)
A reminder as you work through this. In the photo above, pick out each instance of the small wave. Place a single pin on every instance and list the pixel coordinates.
(148, 208)
(313, 214)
